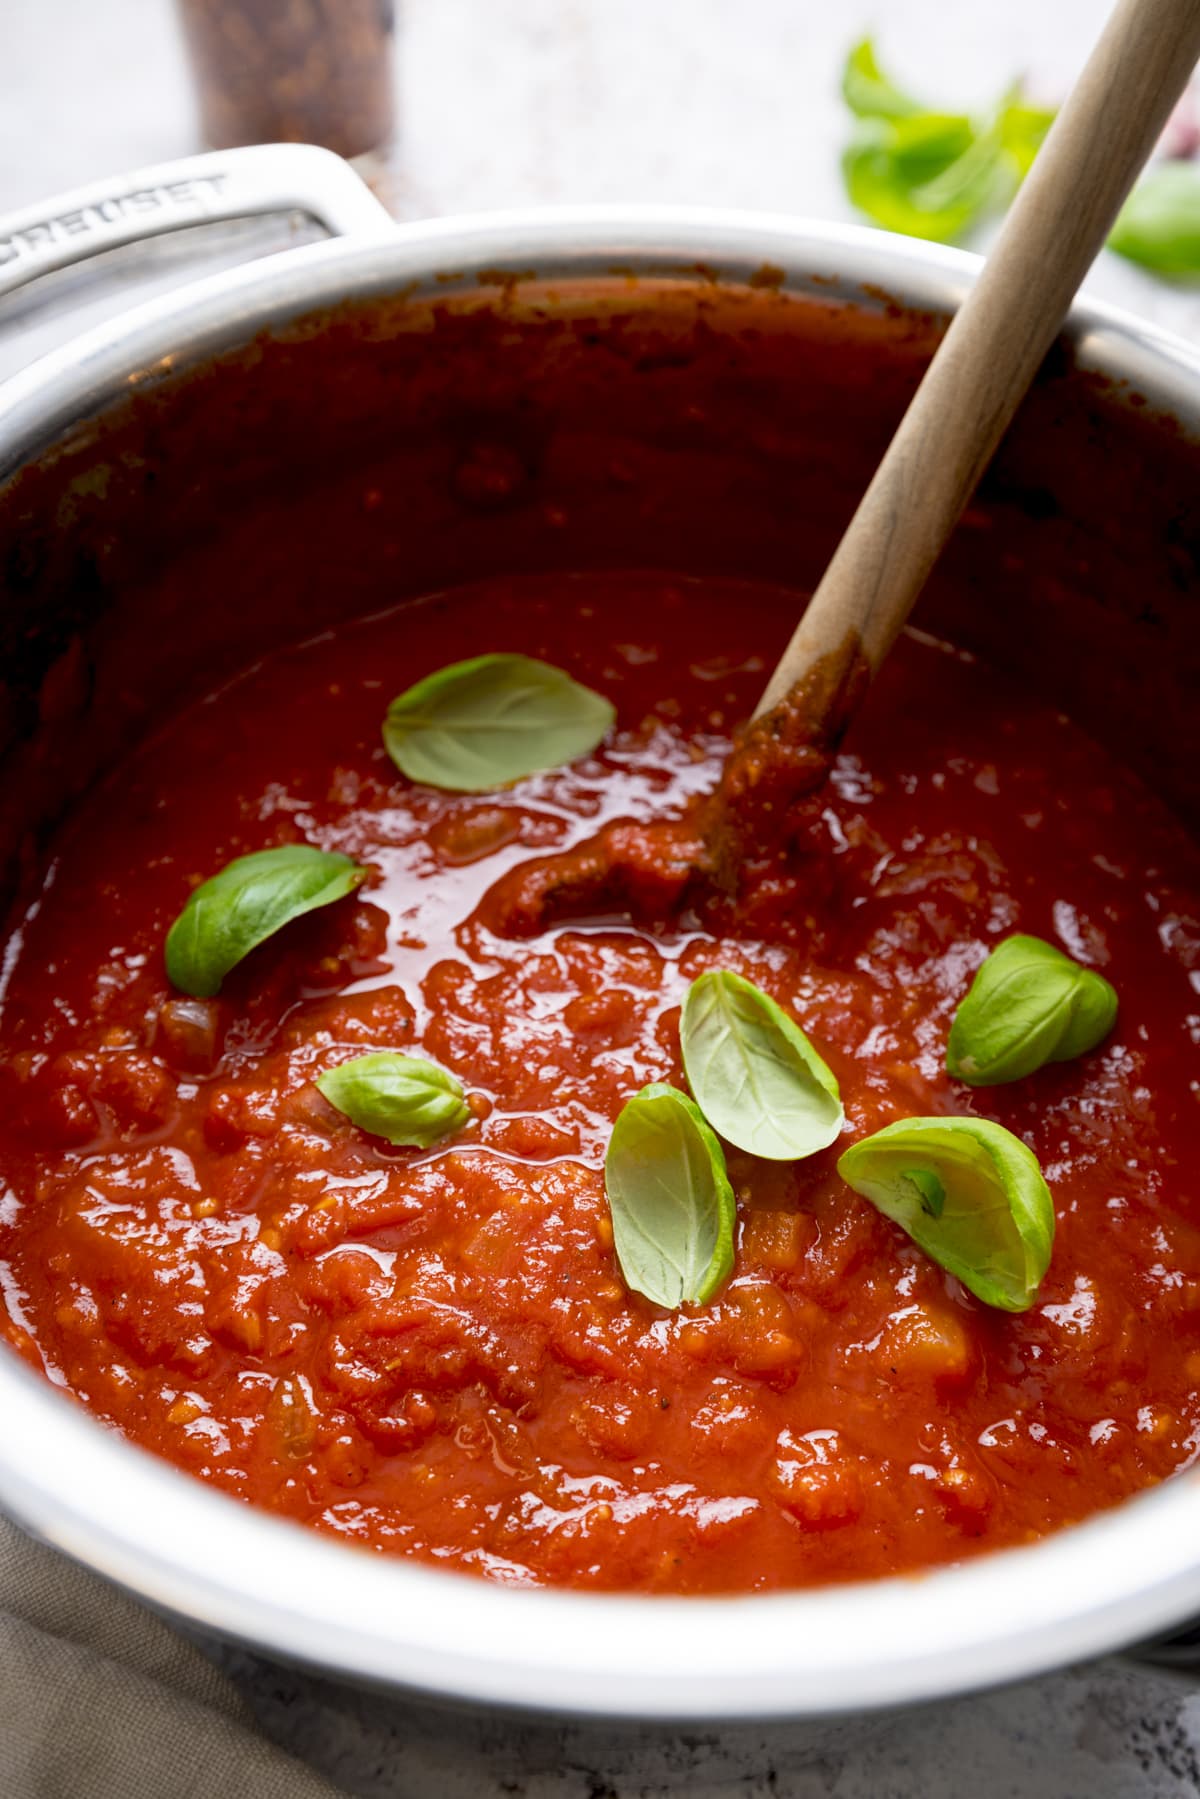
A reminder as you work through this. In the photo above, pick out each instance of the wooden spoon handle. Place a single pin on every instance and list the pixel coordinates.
(997, 339)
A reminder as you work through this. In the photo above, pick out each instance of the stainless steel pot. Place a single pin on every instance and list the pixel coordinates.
(1124, 1576)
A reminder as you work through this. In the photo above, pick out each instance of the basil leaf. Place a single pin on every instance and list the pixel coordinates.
(933, 174)
(924, 176)
(756, 1077)
(487, 722)
(868, 92)
(401, 1098)
(1022, 130)
(1028, 1005)
(995, 1227)
(929, 173)
(1159, 224)
(671, 1203)
(248, 901)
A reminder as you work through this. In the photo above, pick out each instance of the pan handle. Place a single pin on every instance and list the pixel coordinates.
(174, 196)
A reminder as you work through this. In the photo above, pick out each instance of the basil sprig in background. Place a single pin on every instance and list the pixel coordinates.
(927, 172)
(937, 174)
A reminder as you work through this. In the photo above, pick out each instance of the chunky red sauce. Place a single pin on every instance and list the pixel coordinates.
(433, 1352)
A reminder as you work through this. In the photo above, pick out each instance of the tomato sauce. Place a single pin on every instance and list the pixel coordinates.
(432, 1353)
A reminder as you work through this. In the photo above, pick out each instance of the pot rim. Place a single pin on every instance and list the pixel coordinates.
(1122, 1576)
(88, 373)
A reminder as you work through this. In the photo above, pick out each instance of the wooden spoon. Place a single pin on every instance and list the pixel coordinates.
(983, 366)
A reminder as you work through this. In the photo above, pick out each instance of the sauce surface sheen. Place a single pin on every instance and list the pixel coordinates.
(432, 1352)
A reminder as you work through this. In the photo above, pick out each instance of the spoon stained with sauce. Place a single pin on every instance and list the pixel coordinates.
(982, 369)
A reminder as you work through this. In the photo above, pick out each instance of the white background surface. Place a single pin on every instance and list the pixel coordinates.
(729, 102)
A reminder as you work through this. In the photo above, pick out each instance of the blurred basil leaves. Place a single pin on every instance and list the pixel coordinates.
(935, 174)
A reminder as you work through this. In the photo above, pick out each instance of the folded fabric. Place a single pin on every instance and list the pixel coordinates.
(100, 1699)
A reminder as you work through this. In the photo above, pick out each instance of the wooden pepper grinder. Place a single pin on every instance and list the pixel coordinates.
(293, 71)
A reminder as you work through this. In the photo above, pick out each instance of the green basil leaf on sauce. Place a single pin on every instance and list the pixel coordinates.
(671, 1202)
(487, 722)
(969, 1193)
(248, 901)
(1159, 224)
(401, 1098)
(1029, 1004)
(756, 1077)
(929, 1188)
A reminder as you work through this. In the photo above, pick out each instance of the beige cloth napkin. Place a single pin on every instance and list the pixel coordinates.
(100, 1699)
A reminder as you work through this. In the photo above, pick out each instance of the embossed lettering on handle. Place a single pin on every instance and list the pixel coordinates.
(221, 185)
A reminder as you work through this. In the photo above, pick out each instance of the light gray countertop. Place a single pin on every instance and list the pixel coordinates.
(729, 102)
(1111, 1731)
